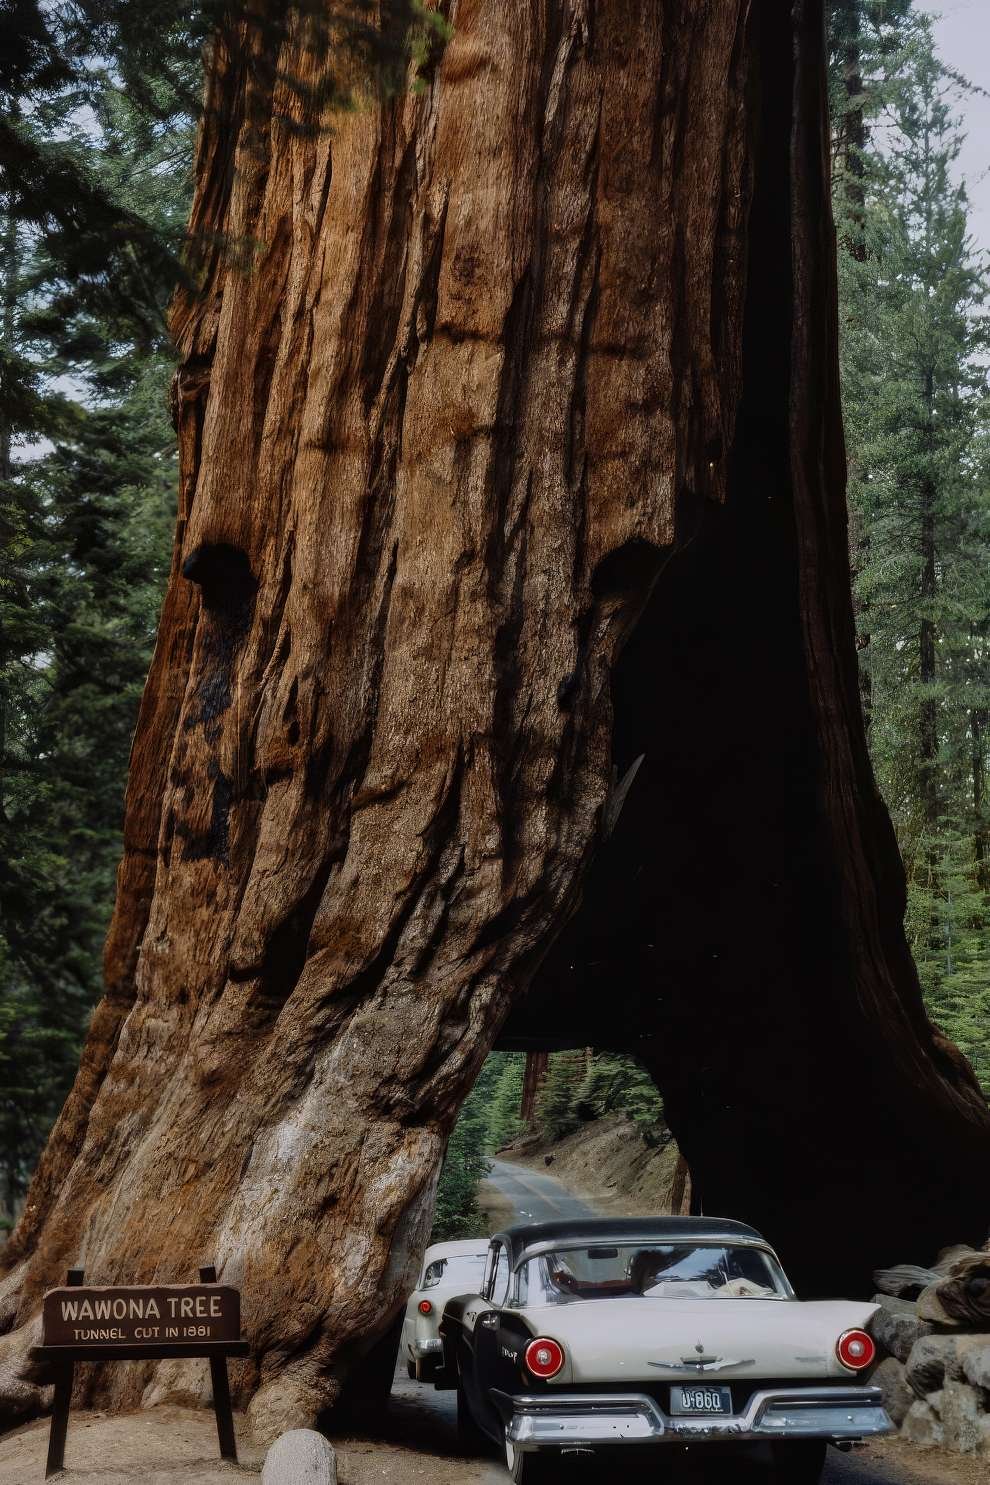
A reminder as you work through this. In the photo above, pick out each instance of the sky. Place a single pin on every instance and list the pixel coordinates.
(962, 32)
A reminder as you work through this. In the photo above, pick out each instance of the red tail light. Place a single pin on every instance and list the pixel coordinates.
(544, 1357)
(855, 1349)
(425, 1307)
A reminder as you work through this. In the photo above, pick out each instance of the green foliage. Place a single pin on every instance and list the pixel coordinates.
(503, 1123)
(465, 1164)
(914, 348)
(87, 516)
(557, 1104)
(616, 1084)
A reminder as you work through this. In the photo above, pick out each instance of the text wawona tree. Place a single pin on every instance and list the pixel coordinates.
(509, 363)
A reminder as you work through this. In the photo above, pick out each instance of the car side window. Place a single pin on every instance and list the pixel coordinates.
(498, 1286)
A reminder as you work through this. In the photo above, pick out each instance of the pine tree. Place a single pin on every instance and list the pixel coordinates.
(616, 1084)
(465, 1165)
(914, 382)
(556, 1107)
(87, 486)
(504, 1121)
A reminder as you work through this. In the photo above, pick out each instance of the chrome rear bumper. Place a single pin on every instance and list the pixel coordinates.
(588, 1419)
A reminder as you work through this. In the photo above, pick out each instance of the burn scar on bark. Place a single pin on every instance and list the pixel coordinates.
(228, 589)
(227, 586)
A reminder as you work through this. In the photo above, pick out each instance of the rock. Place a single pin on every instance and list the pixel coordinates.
(962, 1414)
(962, 1298)
(973, 1352)
(930, 1306)
(906, 1279)
(948, 1257)
(922, 1426)
(895, 1325)
(300, 1457)
(931, 1359)
(897, 1395)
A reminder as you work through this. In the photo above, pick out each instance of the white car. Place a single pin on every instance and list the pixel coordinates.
(599, 1335)
(448, 1268)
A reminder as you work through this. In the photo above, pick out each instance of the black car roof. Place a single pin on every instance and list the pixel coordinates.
(620, 1229)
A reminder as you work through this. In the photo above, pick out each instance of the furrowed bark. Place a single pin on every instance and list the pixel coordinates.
(435, 438)
(476, 407)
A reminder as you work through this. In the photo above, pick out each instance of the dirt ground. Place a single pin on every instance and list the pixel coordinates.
(926, 1466)
(178, 1446)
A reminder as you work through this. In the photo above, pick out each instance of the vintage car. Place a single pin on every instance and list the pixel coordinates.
(604, 1334)
(448, 1268)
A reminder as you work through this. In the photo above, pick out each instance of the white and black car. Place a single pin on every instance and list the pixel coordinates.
(448, 1268)
(602, 1335)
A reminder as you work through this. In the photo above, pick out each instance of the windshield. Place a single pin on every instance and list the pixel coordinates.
(465, 1270)
(659, 1271)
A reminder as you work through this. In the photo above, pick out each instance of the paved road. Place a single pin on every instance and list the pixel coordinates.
(535, 1196)
(426, 1418)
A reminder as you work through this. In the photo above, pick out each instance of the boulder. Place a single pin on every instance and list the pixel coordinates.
(930, 1306)
(973, 1353)
(922, 1426)
(895, 1325)
(962, 1297)
(300, 1457)
(897, 1395)
(961, 1413)
(931, 1359)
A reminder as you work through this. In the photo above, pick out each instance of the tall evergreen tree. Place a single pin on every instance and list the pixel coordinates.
(456, 1214)
(616, 1084)
(557, 1112)
(504, 1118)
(914, 384)
(87, 490)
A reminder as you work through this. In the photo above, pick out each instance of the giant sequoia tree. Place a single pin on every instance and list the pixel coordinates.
(510, 451)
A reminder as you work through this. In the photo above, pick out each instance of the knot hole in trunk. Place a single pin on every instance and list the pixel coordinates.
(223, 575)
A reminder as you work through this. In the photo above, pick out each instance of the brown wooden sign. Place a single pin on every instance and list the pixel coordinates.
(140, 1322)
(146, 1315)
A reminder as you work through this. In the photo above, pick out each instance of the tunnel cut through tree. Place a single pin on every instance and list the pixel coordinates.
(513, 452)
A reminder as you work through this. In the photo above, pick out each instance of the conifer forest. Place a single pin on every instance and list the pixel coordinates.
(101, 103)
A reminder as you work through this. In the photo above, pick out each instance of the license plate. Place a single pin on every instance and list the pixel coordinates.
(700, 1400)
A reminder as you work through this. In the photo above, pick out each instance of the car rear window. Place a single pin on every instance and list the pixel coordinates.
(654, 1271)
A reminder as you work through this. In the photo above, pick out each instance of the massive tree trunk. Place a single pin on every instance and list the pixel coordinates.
(517, 360)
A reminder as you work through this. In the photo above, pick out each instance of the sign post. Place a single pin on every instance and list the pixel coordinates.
(143, 1322)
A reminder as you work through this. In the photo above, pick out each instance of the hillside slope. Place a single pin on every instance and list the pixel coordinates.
(609, 1164)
